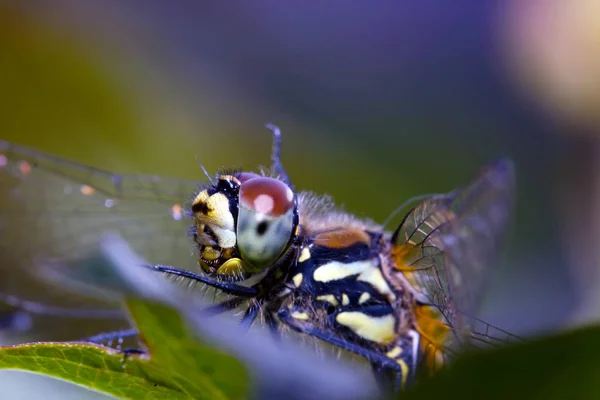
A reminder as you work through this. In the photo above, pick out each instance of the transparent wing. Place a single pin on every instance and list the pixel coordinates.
(446, 244)
(54, 212)
(483, 334)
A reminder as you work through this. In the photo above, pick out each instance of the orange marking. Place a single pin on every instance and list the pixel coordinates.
(230, 178)
(176, 212)
(86, 190)
(405, 255)
(25, 168)
(342, 238)
(435, 333)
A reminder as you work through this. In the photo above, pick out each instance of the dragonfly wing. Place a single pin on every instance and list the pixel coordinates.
(446, 244)
(54, 212)
(472, 240)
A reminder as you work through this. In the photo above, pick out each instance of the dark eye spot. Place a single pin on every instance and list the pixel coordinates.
(200, 208)
(262, 228)
(330, 309)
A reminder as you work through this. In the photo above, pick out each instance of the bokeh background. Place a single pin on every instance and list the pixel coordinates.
(378, 101)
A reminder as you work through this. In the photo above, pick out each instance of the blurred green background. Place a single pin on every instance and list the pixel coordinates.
(377, 103)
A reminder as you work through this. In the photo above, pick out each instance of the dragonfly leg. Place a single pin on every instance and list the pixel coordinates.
(395, 368)
(273, 326)
(132, 352)
(225, 287)
(16, 320)
(249, 317)
(33, 307)
(390, 380)
(224, 306)
(332, 338)
(110, 336)
(119, 336)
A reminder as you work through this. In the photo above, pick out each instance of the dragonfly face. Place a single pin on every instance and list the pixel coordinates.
(243, 223)
(402, 300)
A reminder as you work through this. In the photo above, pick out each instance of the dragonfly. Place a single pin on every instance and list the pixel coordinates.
(404, 300)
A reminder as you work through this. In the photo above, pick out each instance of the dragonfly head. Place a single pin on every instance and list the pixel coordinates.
(244, 223)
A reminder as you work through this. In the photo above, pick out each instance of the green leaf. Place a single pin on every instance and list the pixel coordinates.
(179, 366)
(94, 367)
(556, 367)
(200, 371)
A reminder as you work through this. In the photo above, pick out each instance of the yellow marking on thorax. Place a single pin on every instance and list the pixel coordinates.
(395, 352)
(299, 315)
(376, 329)
(328, 298)
(364, 298)
(298, 279)
(336, 270)
(345, 299)
(405, 371)
(304, 255)
(374, 277)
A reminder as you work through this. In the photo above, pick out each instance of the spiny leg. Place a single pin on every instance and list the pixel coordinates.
(399, 361)
(33, 307)
(249, 317)
(273, 326)
(224, 306)
(225, 287)
(110, 336)
(382, 378)
(390, 380)
(336, 340)
(119, 336)
(15, 320)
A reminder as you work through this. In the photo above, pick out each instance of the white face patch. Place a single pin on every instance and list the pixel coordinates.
(376, 329)
(225, 237)
(218, 214)
(336, 270)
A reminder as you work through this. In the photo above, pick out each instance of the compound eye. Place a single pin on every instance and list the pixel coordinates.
(265, 220)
